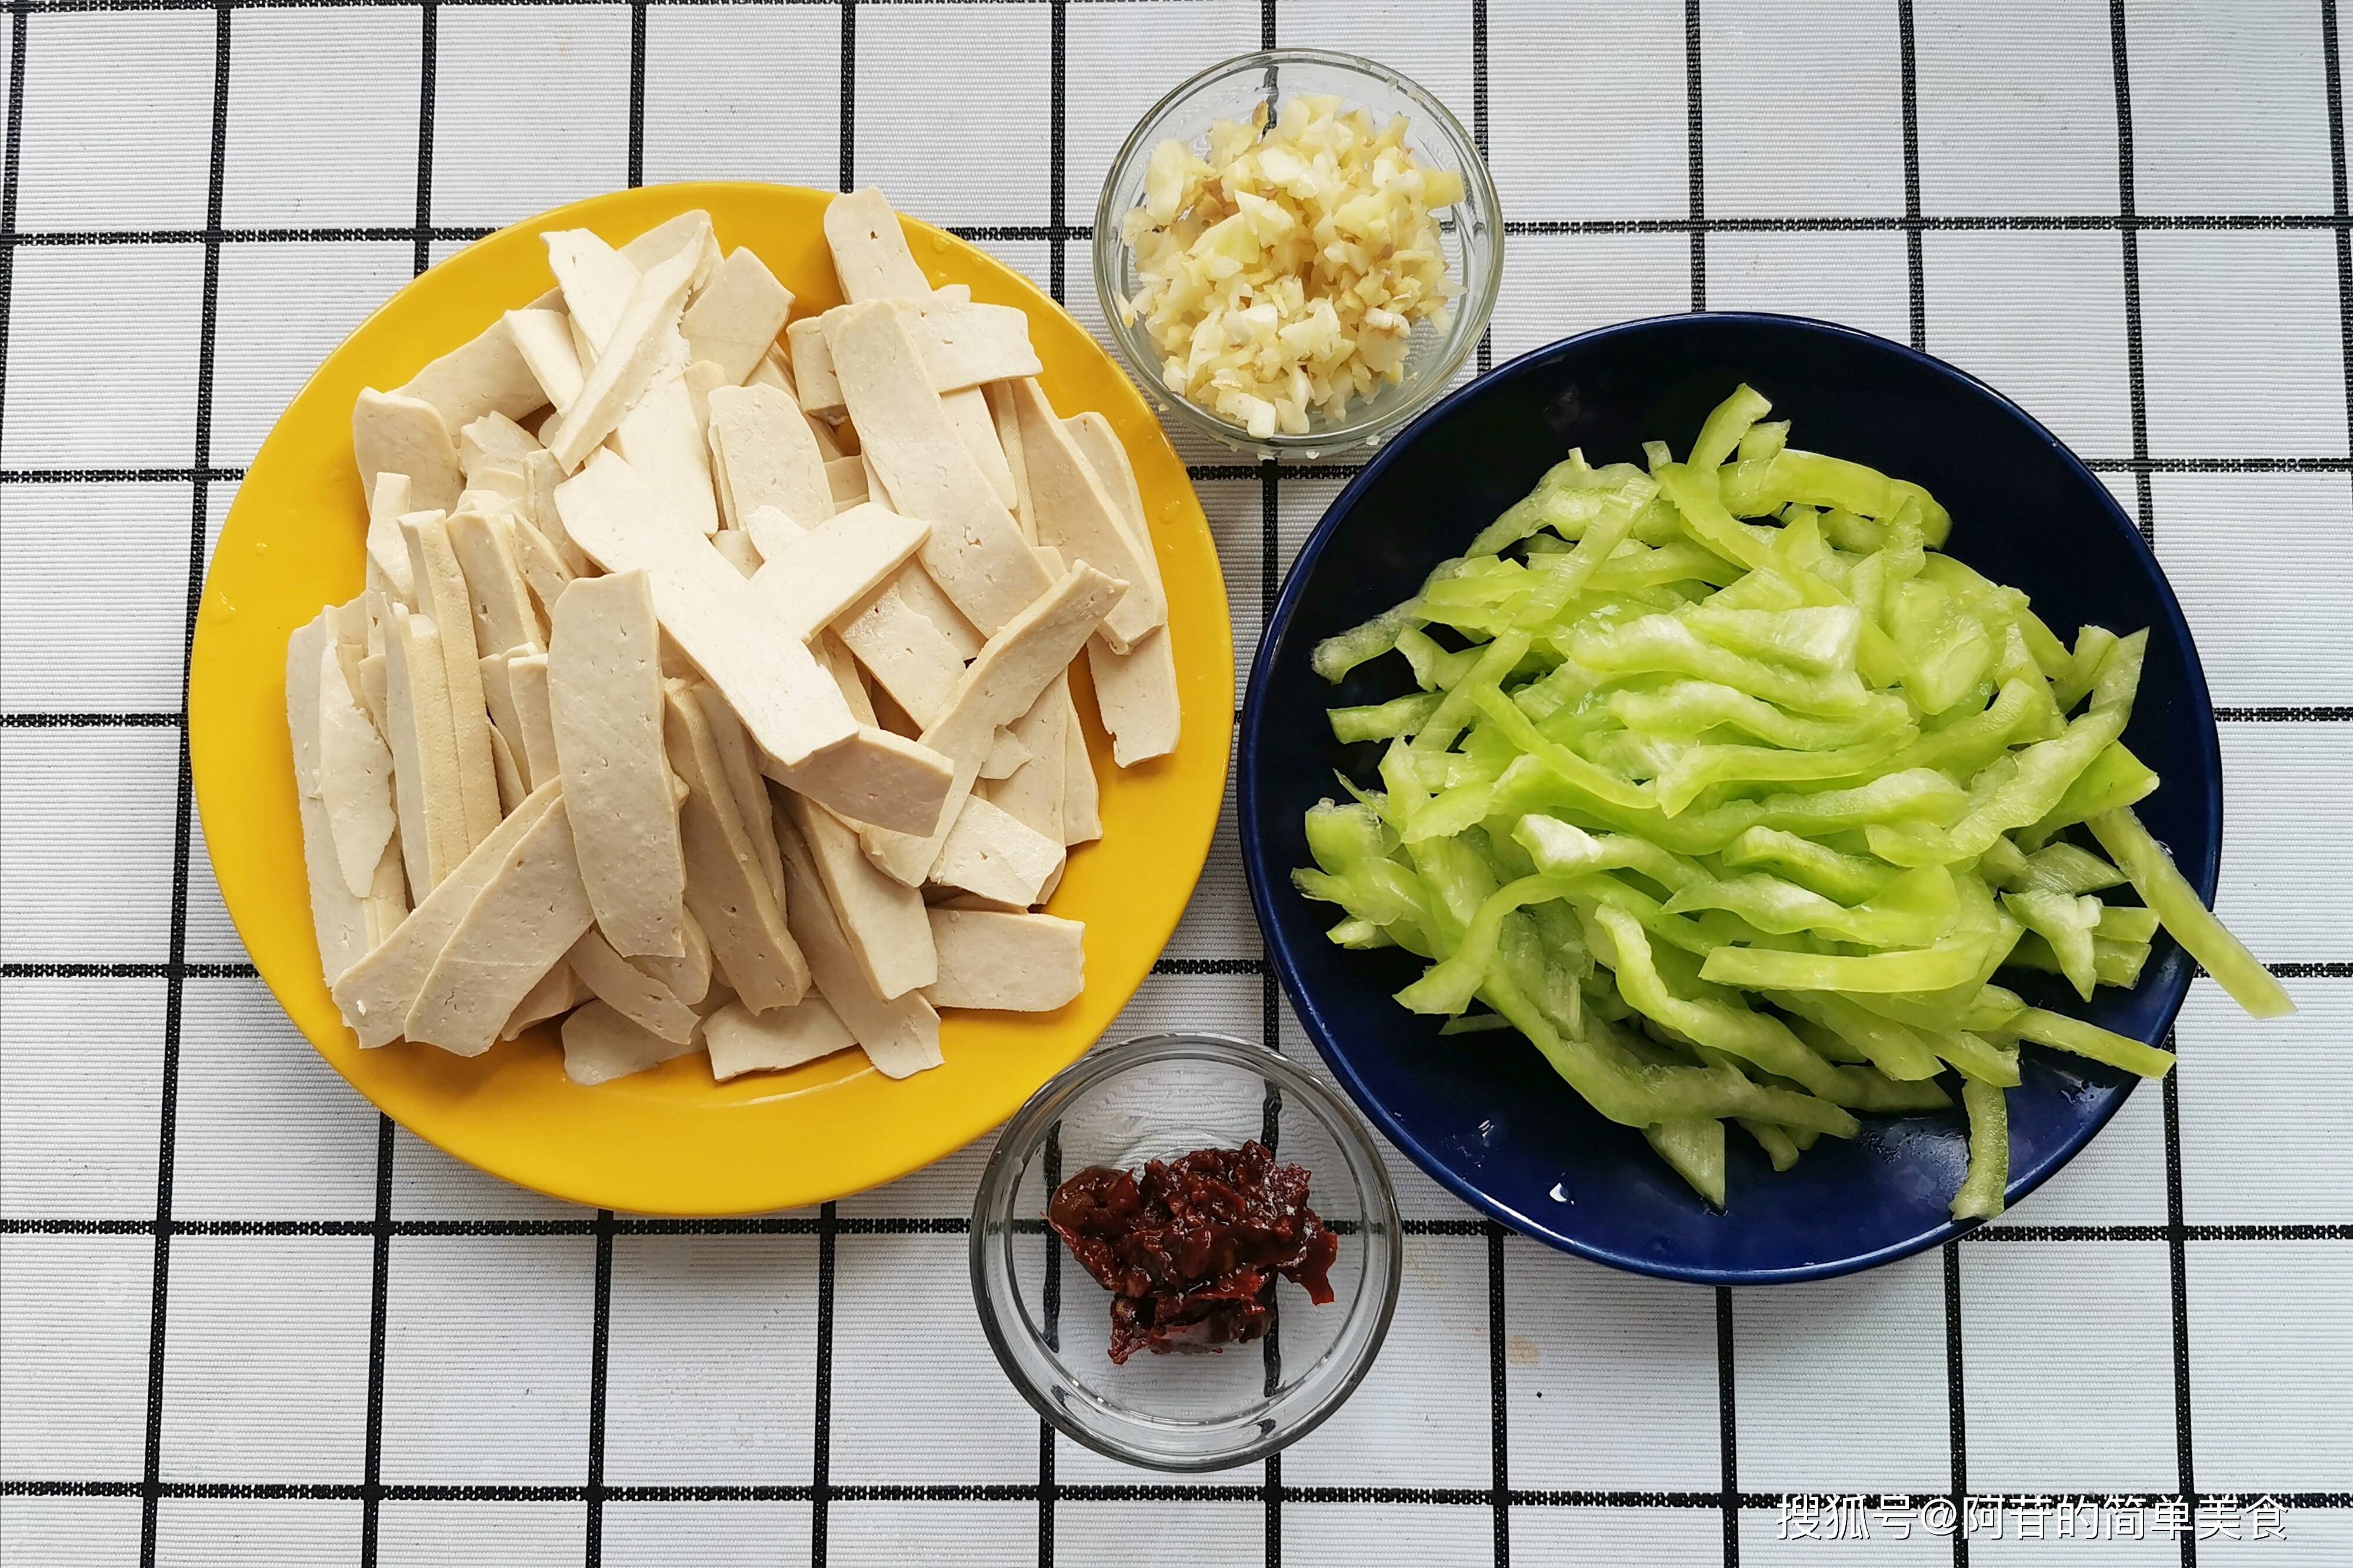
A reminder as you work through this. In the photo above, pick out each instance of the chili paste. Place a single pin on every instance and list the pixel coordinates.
(1190, 1248)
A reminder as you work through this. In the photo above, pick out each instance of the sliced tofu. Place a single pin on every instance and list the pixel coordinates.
(355, 776)
(745, 783)
(427, 802)
(737, 547)
(1007, 417)
(1032, 793)
(993, 855)
(689, 235)
(378, 993)
(595, 281)
(774, 368)
(906, 651)
(535, 721)
(1017, 663)
(750, 946)
(1082, 813)
(737, 315)
(629, 990)
(967, 415)
(836, 658)
(662, 439)
(605, 701)
(924, 597)
(871, 258)
(528, 913)
(975, 552)
(441, 591)
(509, 773)
(819, 394)
(644, 347)
(687, 978)
(540, 475)
(899, 1035)
(389, 497)
(880, 917)
(493, 441)
(545, 571)
(1006, 755)
(487, 375)
(392, 432)
(1077, 516)
(845, 478)
(792, 708)
(742, 1041)
(1019, 963)
(544, 339)
(1100, 445)
(503, 612)
(966, 345)
(338, 914)
(813, 577)
(558, 991)
(1136, 694)
(762, 454)
(600, 1045)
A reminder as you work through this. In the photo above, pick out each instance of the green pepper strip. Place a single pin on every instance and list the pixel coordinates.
(1448, 986)
(1894, 1049)
(1778, 1146)
(2047, 1029)
(1665, 645)
(1835, 874)
(2066, 922)
(1693, 1147)
(1980, 1194)
(1384, 721)
(1915, 909)
(2163, 888)
(1566, 764)
(2116, 780)
(1722, 432)
(1723, 1024)
(1695, 707)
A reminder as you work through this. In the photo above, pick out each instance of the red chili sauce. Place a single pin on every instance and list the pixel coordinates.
(1190, 1248)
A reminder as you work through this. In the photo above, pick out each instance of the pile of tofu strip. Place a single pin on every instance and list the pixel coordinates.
(710, 688)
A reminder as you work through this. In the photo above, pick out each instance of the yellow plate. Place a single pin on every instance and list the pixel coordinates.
(672, 1141)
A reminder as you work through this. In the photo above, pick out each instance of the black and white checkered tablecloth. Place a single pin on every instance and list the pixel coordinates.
(244, 1320)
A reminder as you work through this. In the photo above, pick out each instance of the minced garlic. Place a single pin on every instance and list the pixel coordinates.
(1285, 272)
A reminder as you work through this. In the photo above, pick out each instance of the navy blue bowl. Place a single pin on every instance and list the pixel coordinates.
(1483, 1114)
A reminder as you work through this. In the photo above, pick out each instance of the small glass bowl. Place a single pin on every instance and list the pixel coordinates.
(1472, 233)
(1049, 1323)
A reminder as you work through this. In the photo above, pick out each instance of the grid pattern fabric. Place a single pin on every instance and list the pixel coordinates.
(246, 1320)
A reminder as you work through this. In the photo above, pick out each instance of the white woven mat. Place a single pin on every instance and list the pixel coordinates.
(245, 1321)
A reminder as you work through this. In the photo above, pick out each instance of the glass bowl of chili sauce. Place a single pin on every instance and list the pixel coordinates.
(1249, 1362)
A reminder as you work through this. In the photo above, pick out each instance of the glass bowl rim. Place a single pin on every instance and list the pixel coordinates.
(1020, 1137)
(1474, 308)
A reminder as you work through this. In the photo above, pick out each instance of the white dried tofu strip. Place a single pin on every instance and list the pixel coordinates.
(976, 554)
(545, 570)
(1078, 517)
(815, 386)
(521, 925)
(903, 649)
(503, 614)
(629, 990)
(595, 283)
(967, 415)
(645, 345)
(544, 339)
(871, 258)
(427, 799)
(998, 688)
(378, 993)
(812, 577)
(763, 455)
(1007, 417)
(540, 475)
(792, 708)
(441, 591)
(834, 441)
(775, 369)
(927, 598)
(901, 1034)
(394, 432)
(1082, 813)
(601, 1045)
(1106, 454)
(750, 946)
(1017, 963)
(511, 788)
(745, 782)
(845, 480)
(355, 776)
(737, 546)
(558, 991)
(1007, 755)
(690, 233)
(662, 439)
(687, 978)
(968, 345)
(338, 914)
(838, 662)
(737, 315)
(534, 719)
(492, 441)
(1136, 693)
(879, 917)
(742, 1041)
(604, 698)
(486, 375)
(994, 855)
(702, 378)
(391, 495)
(1033, 792)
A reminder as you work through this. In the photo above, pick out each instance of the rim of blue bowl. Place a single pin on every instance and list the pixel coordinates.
(1264, 881)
